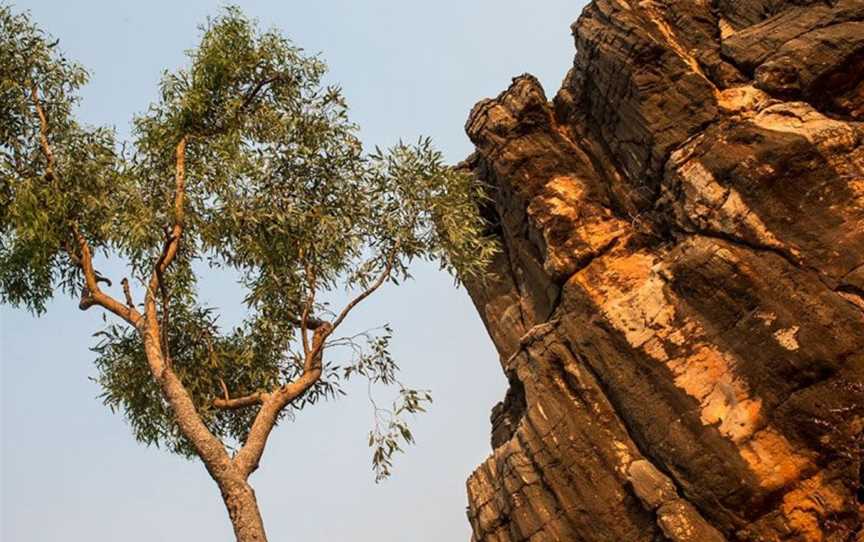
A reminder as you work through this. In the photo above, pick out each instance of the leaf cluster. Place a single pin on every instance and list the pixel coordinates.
(278, 191)
(37, 204)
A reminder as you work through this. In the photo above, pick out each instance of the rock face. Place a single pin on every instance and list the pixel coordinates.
(679, 302)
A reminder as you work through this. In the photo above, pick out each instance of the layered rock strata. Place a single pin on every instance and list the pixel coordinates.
(679, 300)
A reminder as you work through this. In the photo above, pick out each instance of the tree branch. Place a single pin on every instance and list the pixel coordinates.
(271, 405)
(307, 307)
(249, 455)
(388, 268)
(255, 90)
(92, 294)
(227, 403)
(43, 132)
(240, 402)
(166, 347)
(210, 449)
(172, 242)
(315, 355)
(127, 293)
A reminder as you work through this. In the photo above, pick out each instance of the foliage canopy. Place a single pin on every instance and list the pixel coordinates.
(249, 163)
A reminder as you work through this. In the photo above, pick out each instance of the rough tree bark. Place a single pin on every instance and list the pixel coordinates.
(239, 498)
(679, 305)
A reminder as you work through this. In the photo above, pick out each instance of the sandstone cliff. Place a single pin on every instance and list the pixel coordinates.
(679, 304)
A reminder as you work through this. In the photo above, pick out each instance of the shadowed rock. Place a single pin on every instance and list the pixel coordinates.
(679, 301)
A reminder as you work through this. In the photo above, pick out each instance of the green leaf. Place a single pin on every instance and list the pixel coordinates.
(278, 192)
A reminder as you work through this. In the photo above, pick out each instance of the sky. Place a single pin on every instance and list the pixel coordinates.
(70, 469)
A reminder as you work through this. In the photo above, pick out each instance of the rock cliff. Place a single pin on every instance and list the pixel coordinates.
(679, 302)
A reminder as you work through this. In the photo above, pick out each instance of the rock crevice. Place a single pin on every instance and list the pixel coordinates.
(679, 301)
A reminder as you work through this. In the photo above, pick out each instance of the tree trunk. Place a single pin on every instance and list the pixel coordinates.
(239, 498)
(679, 300)
(237, 494)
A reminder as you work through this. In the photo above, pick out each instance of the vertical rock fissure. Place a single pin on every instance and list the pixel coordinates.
(707, 531)
(693, 243)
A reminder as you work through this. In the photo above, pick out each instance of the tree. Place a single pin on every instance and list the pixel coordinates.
(247, 163)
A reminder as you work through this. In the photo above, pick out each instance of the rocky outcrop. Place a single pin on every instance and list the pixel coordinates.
(679, 299)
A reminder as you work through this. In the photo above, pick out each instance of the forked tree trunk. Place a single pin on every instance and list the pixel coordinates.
(239, 498)
(237, 494)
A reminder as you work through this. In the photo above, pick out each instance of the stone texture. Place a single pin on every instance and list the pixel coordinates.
(679, 300)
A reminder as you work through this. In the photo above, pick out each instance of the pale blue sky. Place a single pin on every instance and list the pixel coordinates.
(71, 470)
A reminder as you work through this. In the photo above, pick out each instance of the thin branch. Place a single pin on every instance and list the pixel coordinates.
(351, 339)
(250, 96)
(172, 242)
(239, 402)
(307, 307)
(388, 268)
(227, 403)
(43, 132)
(92, 294)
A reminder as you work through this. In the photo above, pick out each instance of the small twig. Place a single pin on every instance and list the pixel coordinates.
(127, 293)
(307, 307)
(385, 274)
(43, 133)
(254, 92)
(101, 278)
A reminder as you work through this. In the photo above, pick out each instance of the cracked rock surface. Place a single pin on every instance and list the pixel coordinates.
(679, 300)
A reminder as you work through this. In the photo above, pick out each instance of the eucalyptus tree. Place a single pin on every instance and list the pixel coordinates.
(247, 162)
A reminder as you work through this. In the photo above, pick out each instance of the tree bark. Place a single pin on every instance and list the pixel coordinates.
(237, 494)
(239, 498)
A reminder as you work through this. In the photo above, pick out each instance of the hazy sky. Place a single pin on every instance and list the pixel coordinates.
(71, 470)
